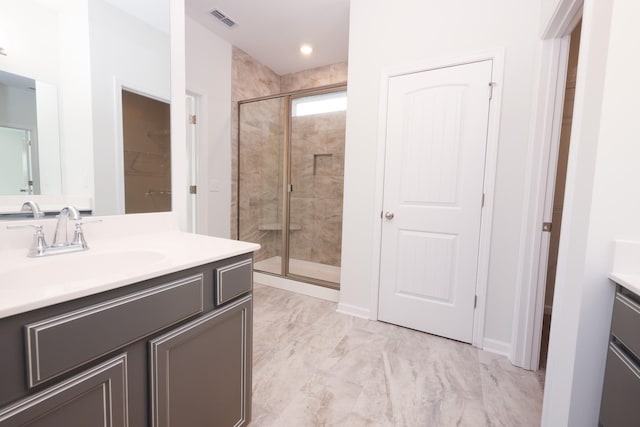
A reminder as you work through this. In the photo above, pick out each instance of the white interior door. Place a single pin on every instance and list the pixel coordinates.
(433, 191)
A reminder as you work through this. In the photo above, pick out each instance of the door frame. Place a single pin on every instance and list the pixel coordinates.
(192, 102)
(493, 133)
(544, 143)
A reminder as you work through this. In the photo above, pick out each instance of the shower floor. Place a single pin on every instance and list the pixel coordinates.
(314, 270)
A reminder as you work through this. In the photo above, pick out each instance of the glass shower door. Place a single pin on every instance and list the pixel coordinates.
(15, 162)
(260, 180)
(317, 178)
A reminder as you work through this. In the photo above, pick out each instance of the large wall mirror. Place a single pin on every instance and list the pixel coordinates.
(64, 66)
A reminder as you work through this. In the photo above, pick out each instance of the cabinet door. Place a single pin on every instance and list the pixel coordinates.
(97, 397)
(201, 372)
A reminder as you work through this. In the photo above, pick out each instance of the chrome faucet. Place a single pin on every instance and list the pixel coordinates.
(61, 237)
(61, 243)
(32, 207)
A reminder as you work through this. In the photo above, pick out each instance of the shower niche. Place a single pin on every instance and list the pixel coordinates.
(290, 183)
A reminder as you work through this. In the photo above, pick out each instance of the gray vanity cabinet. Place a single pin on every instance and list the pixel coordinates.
(95, 397)
(219, 344)
(173, 351)
(621, 388)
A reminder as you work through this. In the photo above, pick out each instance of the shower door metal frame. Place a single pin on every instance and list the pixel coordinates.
(286, 178)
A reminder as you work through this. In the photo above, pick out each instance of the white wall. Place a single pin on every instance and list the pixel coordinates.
(29, 34)
(74, 90)
(131, 53)
(209, 79)
(385, 33)
(601, 205)
(48, 138)
(179, 171)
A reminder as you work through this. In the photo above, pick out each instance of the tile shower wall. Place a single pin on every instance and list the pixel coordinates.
(317, 175)
(252, 79)
(315, 77)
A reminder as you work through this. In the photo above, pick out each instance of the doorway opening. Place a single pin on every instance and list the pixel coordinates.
(558, 176)
(147, 153)
(290, 183)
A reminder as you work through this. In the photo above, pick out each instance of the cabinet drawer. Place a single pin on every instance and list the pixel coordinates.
(625, 322)
(61, 343)
(233, 280)
(620, 390)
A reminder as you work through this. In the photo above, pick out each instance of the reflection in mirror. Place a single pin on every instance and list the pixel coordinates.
(24, 140)
(15, 162)
(86, 51)
(147, 153)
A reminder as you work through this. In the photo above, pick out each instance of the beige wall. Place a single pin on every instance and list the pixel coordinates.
(315, 77)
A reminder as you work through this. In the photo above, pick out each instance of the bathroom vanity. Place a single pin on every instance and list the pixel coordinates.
(621, 387)
(166, 341)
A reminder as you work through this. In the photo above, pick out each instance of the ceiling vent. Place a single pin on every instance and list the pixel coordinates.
(223, 18)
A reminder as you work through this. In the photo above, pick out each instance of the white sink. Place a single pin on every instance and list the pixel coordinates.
(69, 269)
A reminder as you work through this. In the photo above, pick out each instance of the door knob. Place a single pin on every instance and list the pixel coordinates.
(389, 215)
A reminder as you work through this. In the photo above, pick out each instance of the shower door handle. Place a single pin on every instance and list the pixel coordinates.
(389, 215)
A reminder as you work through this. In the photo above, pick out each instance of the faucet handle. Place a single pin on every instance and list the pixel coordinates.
(39, 245)
(37, 227)
(78, 235)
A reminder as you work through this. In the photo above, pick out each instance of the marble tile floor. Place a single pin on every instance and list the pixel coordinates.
(314, 367)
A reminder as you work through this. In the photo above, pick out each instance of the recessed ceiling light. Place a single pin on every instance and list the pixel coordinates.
(306, 49)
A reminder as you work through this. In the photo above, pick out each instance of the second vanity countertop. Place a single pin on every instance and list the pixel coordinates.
(30, 283)
(626, 265)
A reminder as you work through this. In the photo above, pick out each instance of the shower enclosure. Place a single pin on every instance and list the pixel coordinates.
(290, 183)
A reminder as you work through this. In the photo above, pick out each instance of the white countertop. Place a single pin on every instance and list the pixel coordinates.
(626, 265)
(629, 281)
(113, 261)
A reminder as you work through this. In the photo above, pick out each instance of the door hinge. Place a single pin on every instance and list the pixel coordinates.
(482, 202)
(546, 226)
(289, 188)
(193, 189)
(491, 85)
(192, 119)
(475, 301)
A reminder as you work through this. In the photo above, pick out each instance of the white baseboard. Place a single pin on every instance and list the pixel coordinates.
(497, 347)
(353, 310)
(320, 292)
